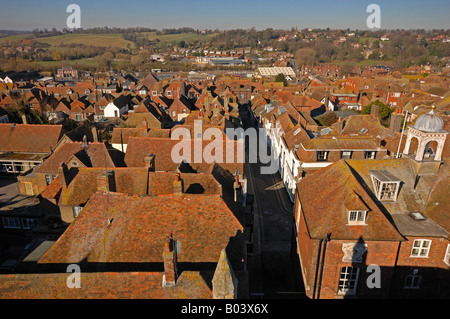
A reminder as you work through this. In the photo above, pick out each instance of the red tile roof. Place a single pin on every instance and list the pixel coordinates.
(324, 201)
(107, 285)
(138, 148)
(29, 138)
(202, 224)
(84, 184)
(96, 155)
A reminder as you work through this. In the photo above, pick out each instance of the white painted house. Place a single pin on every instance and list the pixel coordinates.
(117, 107)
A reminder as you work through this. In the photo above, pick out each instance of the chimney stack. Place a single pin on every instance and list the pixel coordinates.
(375, 111)
(104, 181)
(145, 126)
(169, 258)
(63, 173)
(94, 134)
(225, 104)
(237, 189)
(149, 161)
(327, 98)
(178, 185)
(339, 126)
(395, 123)
(84, 145)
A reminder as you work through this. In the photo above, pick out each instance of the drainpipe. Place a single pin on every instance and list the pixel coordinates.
(317, 268)
(322, 264)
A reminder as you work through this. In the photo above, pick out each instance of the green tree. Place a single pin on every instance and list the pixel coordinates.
(384, 110)
(327, 119)
(281, 78)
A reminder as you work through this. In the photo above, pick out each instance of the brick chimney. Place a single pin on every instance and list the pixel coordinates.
(395, 123)
(94, 134)
(237, 189)
(145, 126)
(375, 111)
(339, 126)
(169, 259)
(149, 161)
(85, 144)
(178, 185)
(225, 103)
(63, 173)
(104, 181)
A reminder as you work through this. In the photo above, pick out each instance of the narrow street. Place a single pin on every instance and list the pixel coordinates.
(274, 267)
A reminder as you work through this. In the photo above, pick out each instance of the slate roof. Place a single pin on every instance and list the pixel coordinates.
(201, 224)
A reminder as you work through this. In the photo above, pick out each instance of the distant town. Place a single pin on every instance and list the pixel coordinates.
(93, 204)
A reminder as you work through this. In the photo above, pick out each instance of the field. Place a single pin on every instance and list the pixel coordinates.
(109, 40)
(98, 40)
(176, 38)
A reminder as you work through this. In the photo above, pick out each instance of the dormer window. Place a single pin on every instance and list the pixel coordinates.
(385, 184)
(370, 154)
(322, 156)
(357, 217)
(346, 154)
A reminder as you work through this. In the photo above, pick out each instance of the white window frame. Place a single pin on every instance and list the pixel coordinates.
(76, 211)
(28, 223)
(346, 284)
(11, 222)
(420, 248)
(48, 179)
(346, 154)
(370, 154)
(381, 189)
(359, 217)
(322, 156)
(447, 255)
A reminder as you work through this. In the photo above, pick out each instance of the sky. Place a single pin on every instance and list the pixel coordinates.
(226, 14)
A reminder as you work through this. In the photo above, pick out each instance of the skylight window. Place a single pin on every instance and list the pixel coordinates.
(417, 216)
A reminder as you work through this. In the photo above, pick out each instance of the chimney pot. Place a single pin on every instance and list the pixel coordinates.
(178, 185)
